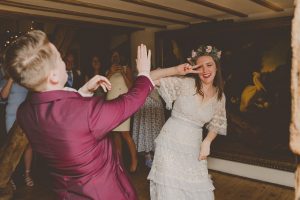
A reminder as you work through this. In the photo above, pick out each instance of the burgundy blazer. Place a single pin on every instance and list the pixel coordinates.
(70, 133)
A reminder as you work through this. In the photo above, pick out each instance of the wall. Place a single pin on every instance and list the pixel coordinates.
(146, 37)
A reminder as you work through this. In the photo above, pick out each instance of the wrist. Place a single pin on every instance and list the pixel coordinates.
(207, 141)
(85, 92)
(177, 71)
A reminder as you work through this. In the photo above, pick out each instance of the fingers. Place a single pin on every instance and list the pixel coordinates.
(142, 52)
(202, 157)
(149, 55)
(104, 79)
(195, 66)
(105, 84)
(139, 52)
(104, 88)
(97, 81)
(194, 69)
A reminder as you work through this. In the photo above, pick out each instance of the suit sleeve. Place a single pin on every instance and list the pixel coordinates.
(104, 116)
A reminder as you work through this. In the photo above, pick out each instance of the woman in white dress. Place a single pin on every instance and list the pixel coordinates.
(120, 78)
(179, 169)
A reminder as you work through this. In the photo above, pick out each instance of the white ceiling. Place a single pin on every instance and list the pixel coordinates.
(159, 14)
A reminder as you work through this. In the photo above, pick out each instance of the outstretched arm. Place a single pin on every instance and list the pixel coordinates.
(205, 145)
(181, 69)
(106, 115)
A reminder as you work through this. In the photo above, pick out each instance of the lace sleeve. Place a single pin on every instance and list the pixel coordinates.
(169, 89)
(218, 123)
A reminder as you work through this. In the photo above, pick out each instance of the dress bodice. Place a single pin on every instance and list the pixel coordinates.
(180, 95)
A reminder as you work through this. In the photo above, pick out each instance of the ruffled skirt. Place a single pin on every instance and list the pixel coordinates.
(176, 172)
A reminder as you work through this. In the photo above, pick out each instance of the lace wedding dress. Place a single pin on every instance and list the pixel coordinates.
(176, 173)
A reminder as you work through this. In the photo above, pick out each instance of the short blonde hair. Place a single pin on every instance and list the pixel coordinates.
(29, 59)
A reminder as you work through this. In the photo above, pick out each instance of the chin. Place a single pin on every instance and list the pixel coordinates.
(207, 81)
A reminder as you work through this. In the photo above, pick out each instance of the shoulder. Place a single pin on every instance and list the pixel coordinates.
(182, 79)
(222, 101)
(187, 82)
(22, 110)
(223, 97)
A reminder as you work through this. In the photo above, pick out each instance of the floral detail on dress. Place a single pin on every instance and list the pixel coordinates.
(148, 122)
(170, 89)
(218, 124)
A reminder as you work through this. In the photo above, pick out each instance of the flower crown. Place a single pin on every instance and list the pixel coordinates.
(204, 50)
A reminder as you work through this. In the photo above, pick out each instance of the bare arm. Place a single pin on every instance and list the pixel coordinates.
(205, 145)
(181, 69)
(6, 89)
(161, 73)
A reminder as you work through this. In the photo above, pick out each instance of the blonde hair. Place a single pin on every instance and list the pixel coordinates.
(29, 59)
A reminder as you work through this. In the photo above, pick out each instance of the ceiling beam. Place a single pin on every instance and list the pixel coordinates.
(169, 9)
(17, 15)
(115, 10)
(218, 7)
(269, 5)
(68, 12)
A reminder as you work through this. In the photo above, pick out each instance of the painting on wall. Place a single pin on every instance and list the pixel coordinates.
(256, 65)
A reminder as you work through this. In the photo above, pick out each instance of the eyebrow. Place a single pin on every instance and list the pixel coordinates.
(205, 63)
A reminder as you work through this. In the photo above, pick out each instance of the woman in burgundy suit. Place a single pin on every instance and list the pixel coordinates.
(81, 158)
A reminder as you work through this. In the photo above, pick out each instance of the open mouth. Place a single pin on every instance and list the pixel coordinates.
(206, 75)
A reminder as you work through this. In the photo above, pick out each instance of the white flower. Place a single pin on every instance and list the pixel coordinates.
(219, 54)
(208, 49)
(194, 54)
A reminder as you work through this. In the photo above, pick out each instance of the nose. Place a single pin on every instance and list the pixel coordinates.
(204, 68)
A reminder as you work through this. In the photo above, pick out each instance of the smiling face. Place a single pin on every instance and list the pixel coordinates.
(207, 69)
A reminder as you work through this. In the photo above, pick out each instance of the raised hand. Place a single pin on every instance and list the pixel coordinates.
(93, 84)
(143, 61)
(186, 68)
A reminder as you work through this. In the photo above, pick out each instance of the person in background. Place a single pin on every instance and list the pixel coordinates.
(121, 79)
(95, 69)
(75, 79)
(15, 95)
(147, 124)
(3, 102)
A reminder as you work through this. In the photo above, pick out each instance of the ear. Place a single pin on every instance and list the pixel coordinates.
(53, 77)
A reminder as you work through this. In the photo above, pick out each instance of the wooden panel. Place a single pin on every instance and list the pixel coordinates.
(173, 10)
(127, 12)
(268, 4)
(66, 22)
(68, 12)
(218, 7)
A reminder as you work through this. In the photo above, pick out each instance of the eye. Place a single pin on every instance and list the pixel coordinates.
(200, 67)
